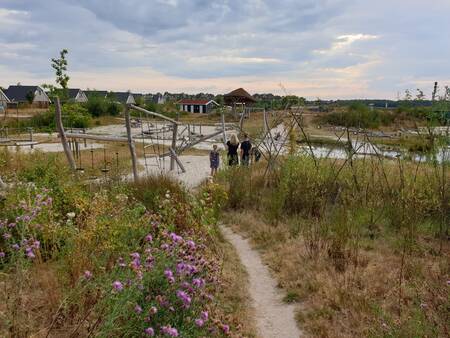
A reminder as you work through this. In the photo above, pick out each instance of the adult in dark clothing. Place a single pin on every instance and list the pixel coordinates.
(246, 146)
(233, 145)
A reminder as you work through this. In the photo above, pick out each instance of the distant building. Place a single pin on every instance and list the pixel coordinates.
(238, 96)
(159, 99)
(3, 100)
(33, 95)
(122, 97)
(197, 106)
(77, 95)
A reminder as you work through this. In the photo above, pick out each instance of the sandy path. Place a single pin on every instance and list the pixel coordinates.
(274, 319)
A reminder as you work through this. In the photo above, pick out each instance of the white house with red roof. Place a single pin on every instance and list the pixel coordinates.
(197, 106)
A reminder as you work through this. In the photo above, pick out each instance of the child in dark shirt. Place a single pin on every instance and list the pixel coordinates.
(214, 160)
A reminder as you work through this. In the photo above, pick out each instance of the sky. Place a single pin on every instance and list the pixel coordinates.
(324, 49)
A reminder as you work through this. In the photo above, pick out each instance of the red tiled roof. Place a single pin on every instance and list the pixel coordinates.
(199, 102)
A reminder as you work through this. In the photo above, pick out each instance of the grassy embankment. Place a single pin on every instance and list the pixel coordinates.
(112, 259)
(362, 244)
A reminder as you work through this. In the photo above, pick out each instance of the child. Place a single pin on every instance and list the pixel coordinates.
(214, 160)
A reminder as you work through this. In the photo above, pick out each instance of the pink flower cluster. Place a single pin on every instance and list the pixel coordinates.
(186, 272)
(19, 234)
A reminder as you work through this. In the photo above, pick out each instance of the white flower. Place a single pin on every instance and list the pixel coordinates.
(71, 215)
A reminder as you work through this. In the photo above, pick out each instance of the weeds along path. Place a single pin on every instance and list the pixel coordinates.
(274, 319)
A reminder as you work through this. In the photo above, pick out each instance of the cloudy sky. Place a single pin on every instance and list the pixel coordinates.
(313, 48)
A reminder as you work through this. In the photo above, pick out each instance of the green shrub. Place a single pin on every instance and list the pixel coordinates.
(359, 115)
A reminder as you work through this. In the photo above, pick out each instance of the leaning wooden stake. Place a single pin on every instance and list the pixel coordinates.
(62, 135)
(131, 144)
(174, 145)
(175, 157)
(224, 135)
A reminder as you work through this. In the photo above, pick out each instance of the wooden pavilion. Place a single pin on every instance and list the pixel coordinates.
(238, 97)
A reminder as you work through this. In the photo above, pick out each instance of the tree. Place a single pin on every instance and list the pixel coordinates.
(30, 97)
(60, 66)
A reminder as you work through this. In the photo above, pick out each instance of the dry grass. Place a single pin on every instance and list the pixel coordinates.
(31, 298)
(350, 303)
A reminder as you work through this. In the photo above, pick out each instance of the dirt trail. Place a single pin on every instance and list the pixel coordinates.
(274, 319)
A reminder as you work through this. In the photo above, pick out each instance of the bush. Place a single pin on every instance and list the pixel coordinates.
(74, 115)
(359, 115)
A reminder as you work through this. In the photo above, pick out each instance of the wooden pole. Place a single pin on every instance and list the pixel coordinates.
(224, 135)
(174, 145)
(131, 144)
(265, 121)
(104, 138)
(62, 135)
(175, 157)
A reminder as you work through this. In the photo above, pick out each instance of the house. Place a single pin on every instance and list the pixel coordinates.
(122, 97)
(32, 95)
(159, 99)
(77, 95)
(197, 106)
(3, 100)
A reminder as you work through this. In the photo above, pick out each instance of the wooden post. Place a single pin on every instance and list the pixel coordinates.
(265, 121)
(174, 144)
(224, 135)
(31, 137)
(62, 135)
(131, 144)
(175, 157)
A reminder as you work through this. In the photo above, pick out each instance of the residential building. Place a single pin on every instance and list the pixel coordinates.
(32, 95)
(197, 106)
(77, 95)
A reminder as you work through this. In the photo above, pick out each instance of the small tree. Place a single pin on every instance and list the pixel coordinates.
(30, 97)
(60, 66)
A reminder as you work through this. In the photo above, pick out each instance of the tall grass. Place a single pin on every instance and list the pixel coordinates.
(345, 217)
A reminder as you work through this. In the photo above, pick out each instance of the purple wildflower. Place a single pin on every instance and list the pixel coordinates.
(118, 286)
(199, 322)
(225, 328)
(6, 235)
(2, 254)
(204, 315)
(29, 252)
(184, 298)
(152, 310)
(137, 309)
(149, 332)
(87, 274)
(135, 255)
(170, 331)
(198, 282)
(169, 275)
(175, 238)
(191, 244)
(149, 238)
(15, 246)
(36, 244)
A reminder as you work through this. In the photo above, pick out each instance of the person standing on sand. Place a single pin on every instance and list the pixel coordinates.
(233, 145)
(246, 146)
(214, 160)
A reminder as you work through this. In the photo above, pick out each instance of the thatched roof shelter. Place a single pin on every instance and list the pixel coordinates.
(238, 96)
